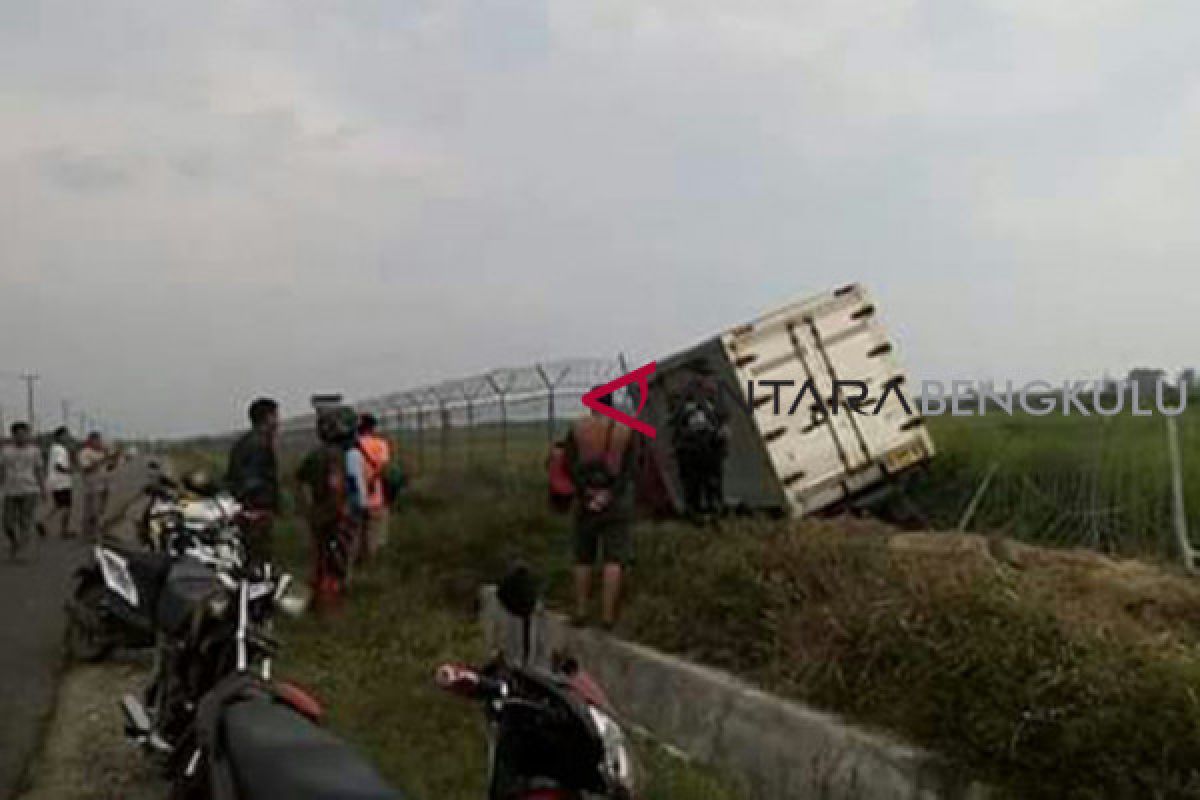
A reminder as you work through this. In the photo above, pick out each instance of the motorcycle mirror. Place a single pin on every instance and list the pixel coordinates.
(518, 592)
(294, 602)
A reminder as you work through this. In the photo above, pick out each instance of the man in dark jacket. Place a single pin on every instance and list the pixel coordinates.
(701, 438)
(253, 476)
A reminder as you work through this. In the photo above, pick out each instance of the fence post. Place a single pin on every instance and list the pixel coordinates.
(443, 420)
(633, 389)
(1178, 505)
(550, 387)
(469, 401)
(420, 411)
(503, 395)
(396, 431)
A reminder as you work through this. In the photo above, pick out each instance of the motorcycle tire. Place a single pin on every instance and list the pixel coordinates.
(87, 637)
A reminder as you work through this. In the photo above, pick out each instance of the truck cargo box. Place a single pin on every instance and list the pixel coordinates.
(826, 443)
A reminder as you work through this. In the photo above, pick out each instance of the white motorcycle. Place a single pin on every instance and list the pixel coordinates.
(115, 600)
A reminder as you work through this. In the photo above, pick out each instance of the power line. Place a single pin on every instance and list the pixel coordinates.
(30, 379)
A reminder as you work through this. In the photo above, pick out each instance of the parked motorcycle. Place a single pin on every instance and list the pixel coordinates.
(211, 621)
(116, 595)
(552, 733)
(257, 740)
(245, 737)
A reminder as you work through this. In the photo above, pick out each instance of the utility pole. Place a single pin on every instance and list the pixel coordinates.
(66, 411)
(30, 379)
(82, 425)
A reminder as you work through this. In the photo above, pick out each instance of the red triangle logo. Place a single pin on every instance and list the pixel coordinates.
(641, 377)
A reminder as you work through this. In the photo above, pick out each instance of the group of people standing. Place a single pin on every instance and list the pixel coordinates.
(30, 479)
(344, 491)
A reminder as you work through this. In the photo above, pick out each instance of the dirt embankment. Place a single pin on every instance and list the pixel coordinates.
(1132, 601)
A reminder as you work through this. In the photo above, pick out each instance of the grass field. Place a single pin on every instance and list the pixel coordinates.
(1041, 679)
(1073, 480)
(1050, 675)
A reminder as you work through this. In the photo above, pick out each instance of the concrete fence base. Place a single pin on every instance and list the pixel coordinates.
(780, 749)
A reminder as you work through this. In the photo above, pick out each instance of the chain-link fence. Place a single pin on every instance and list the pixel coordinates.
(502, 416)
(1107, 483)
(1102, 482)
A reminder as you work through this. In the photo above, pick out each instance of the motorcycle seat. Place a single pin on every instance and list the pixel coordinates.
(276, 753)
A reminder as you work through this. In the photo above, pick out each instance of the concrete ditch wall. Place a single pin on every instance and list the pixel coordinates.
(782, 750)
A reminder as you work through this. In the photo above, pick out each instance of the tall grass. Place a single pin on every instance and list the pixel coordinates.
(989, 665)
(373, 662)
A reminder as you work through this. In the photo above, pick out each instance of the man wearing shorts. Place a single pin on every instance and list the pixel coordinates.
(601, 455)
(23, 481)
(59, 483)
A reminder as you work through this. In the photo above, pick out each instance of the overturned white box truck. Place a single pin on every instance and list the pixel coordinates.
(817, 408)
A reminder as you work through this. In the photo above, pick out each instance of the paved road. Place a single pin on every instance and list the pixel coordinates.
(31, 632)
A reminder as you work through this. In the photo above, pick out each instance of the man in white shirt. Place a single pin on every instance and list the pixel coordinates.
(23, 480)
(59, 483)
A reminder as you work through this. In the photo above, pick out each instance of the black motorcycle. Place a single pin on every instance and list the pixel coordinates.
(245, 736)
(553, 734)
(257, 740)
(116, 594)
(211, 621)
(114, 600)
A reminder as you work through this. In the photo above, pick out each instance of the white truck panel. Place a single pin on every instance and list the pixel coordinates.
(825, 452)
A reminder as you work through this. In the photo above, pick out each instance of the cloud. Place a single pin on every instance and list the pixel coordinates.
(364, 195)
(86, 172)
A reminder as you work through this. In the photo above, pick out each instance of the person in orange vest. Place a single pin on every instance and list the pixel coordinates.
(377, 454)
(601, 457)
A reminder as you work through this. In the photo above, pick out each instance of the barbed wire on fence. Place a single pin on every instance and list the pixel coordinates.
(459, 419)
(1095, 482)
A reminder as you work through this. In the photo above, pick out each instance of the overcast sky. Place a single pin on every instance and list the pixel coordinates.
(200, 202)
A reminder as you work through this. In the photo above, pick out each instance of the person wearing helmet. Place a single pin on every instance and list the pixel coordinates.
(332, 497)
(252, 477)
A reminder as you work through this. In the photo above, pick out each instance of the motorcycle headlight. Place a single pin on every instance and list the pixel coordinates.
(618, 764)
